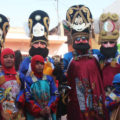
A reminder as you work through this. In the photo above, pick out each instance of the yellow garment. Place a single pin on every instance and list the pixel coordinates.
(48, 68)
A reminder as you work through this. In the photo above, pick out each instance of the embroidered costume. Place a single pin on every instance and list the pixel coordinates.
(109, 58)
(39, 92)
(113, 99)
(39, 28)
(86, 97)
(9, 88)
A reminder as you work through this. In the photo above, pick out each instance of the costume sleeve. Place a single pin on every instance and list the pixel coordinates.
(53, 101)
(24, 65)
(23, 70)
(21, 98)
(30, 105)
(66, 59)
(33, 108)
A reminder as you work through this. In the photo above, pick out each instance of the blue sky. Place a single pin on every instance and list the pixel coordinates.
(19, 10)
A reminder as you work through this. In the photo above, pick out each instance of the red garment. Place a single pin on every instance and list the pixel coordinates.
(84, 98)
(33, 62)
(7, 51)
(108, 73)
(32, 108)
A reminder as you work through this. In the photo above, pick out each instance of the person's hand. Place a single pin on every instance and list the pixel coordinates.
(45, 111)
(42, 112)
(118, 99)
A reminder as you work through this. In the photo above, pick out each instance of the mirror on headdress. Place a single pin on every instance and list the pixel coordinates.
(109, 26)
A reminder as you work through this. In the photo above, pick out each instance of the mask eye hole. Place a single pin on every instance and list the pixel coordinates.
(106, 42)
(77, 39)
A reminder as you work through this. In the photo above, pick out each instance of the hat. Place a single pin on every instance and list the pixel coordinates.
(39, 26)
(116, 79)
(109, 27)
(7, 70)
(4, 25)
(79, 19)
(34, 59)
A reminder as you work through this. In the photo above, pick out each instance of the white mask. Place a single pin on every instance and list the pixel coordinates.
(38, 30)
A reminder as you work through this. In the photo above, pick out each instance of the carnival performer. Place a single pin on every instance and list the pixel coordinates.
(4, 26)
(109, 58)
(40, 92)
(86, 97)
(39, 27)
(9, 88)
(113, 99)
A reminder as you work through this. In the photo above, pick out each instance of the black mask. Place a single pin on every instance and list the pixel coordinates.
(83, 47)
(109, 52)
(39, 51)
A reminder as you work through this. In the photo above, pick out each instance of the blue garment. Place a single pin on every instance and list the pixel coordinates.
(25, 67)
(28, 85)
(42, 91)
(25, 64)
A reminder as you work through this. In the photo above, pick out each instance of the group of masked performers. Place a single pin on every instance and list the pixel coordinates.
(88, 79)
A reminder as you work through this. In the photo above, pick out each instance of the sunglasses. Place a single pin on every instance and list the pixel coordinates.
(81, 38)
(106, 42)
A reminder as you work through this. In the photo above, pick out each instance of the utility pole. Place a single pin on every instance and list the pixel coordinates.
(58, 15)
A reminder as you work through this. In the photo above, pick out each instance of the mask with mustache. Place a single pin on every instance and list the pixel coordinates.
(109, 52)
(38, 51)
(83, 47)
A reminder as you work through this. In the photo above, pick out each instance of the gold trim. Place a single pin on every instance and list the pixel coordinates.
(79, 34)
(86, 10)
(2, 42)
(45, 22)
(110, 37)
(103, 17)
(30, 26)
(104, 37)
(70, 11)
(4, 26)
(114, 17)
(79, 11)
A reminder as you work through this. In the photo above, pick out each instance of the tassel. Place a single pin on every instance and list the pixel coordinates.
(113, 63)
(90, 53)
(102, 64)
